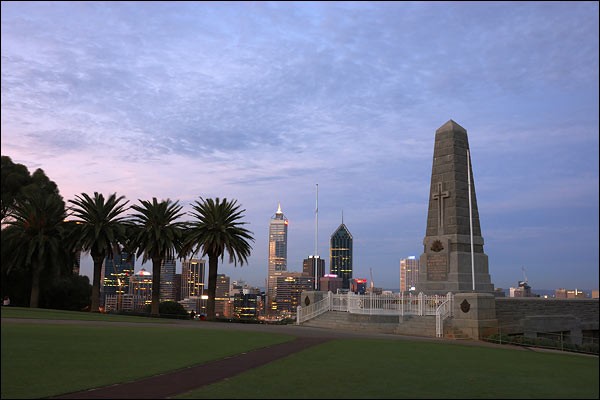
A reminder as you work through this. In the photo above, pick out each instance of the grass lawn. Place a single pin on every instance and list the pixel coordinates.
(386, 369)
(47, 359)
(40, 360)
(41, 313)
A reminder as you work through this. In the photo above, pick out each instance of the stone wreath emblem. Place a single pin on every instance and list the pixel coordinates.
(437, 246)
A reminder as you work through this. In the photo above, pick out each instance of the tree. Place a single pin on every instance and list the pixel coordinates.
(14, 178)
(17, 184)
(18, 189)
(35, 238)
(157, 236)
(67, 293)
(217, 228)
(100, 229)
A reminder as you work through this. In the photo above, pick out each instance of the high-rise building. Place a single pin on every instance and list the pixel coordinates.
(308, 269)
(242, 287)
(77, 262)
(409, 273)
(167, 280)
(278, 229)
(289, 290)
(340, 256)
(330, 283)
(177, 286)
(140, 287)
(117, 271)
(246, 305)
(223, 308)
(192, 278)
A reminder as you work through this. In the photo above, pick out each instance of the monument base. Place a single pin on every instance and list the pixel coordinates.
(475, 314)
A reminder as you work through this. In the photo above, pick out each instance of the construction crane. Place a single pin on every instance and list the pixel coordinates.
(524, 283)
(524, 275)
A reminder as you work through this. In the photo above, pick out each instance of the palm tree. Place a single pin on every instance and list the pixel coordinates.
(35, 237)
(216, 229)
(100, 229)
(157, 237)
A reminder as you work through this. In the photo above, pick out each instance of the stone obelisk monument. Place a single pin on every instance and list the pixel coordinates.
(446, 263)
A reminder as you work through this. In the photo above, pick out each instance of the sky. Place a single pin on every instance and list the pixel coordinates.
(262, 101)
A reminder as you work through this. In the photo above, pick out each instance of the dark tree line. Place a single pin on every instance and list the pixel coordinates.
(41, 235)
(37, 266)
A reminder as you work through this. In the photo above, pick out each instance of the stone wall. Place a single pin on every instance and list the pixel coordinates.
(532, 315)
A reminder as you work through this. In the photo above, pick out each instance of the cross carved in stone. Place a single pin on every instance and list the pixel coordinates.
(440, 196)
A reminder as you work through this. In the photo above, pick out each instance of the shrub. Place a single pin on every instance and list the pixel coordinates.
(71, 293)
(169, 309)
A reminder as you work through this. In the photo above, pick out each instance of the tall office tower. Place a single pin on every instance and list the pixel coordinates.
(117, 270)
(246, 305)
(278, 228)
(289, 290)
(177, 286)
(77, 262)
(222, 306)
(308, 268)
(140, 286)
(167, 280)
(192, 278)
(409, 273)
(340, 254)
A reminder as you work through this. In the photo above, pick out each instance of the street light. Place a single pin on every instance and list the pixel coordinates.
(119, 294)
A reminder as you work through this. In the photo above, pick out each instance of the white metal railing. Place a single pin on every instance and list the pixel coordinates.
(443, 311)
(394, 304)
(313, 310)
(373, 304)
(339, 302)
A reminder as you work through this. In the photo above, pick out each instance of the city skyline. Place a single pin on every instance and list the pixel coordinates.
(259, 102)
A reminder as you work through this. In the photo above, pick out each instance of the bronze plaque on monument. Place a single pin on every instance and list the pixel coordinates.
(437, 267)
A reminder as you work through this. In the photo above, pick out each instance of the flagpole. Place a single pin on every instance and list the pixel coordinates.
(316, 236)
(471, 219)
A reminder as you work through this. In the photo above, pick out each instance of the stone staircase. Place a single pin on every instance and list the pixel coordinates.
(354, 322)
(410, 325)
(415, 325)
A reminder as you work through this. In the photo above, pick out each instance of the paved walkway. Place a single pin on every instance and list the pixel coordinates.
(181, 381)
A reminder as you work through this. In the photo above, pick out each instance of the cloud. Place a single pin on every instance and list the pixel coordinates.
(261, 101)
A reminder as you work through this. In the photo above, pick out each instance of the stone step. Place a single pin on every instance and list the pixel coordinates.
(407, 325)
(451, 332)
(455, 334)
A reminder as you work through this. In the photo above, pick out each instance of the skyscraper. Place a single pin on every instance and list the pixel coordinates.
(140, 287)
(290, 286)
(409, 273)
(278, 228)
(77, 262)
(116, 273)
(167, 280)
(222, 304)
(340, 258)
(192, 278)
(308, 268)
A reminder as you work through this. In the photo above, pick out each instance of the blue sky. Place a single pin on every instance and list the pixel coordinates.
(261, 101)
